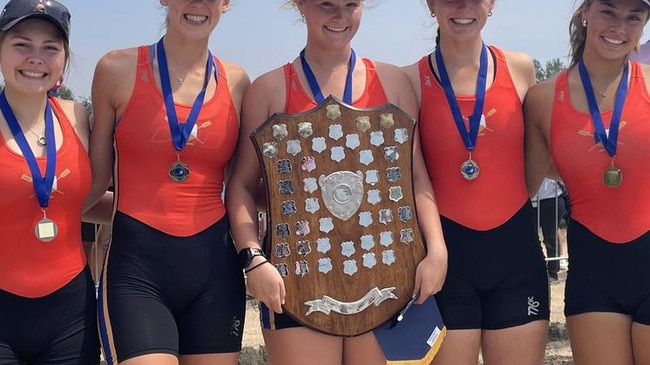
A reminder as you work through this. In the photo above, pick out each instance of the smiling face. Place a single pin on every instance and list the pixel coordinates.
(462, 19)
(196, 19)
(331, 23)
(614, 28)
(32, 56)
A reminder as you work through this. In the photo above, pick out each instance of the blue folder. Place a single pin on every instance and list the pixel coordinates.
(415, 339)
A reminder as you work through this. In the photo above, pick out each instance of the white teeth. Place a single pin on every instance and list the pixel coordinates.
(33, 74)
(336, 29)
(463, 20)
(613, 41)
(198, 19)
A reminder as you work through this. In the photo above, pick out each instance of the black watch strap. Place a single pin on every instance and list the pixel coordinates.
(246, 255)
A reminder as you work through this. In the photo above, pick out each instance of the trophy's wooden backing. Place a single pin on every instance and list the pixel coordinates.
(286, 156)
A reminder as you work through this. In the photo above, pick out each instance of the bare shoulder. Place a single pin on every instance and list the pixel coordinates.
(645, 70)
(238, 82)
(236, 74)
(542, 91)
(539, 102)
(519, 61)
(78, 117)
(412, 71)
(115, 75)
(117, 61)
(68, 107)
(389, 71)
(397, 87)
(522, 71)
(394, 79)
(266, 95)
(270, 82)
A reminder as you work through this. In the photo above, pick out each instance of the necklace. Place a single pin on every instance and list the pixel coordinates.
(604, 95)
(180, 80)
(41, 141)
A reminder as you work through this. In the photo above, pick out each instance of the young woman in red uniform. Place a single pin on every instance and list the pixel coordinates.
(329, 59)
(495, 296)
(589, 127)
(47, 296)
(171, 290)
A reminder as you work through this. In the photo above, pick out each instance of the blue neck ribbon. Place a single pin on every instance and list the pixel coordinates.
(42, 184)
(313, 83)
(468, 136)
(180, 132)
(608, 140)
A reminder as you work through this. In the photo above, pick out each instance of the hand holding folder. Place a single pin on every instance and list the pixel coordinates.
(414, 335)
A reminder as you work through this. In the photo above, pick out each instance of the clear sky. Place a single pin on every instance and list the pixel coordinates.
(260, 35)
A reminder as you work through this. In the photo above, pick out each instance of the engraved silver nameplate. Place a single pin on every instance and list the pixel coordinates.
(342, 193)
(328, 304)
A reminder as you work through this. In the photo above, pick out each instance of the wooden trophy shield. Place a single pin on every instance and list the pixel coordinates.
(342, 226)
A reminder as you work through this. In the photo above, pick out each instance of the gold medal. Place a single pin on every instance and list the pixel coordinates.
(46, 230)
(612, 176)
(179, 171)
(469, 169)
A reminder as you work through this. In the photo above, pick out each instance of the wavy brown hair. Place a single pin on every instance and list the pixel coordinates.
(578, 32)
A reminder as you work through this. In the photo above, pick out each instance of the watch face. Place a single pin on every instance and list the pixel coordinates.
(246, 256)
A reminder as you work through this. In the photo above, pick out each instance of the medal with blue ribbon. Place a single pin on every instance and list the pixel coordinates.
(180, 132)
(612, 177)
(313, 83)
(45, 230)
(468, 169)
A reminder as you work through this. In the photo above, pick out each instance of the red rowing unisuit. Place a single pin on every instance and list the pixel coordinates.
(619, 214)
(29, 267)
(144, 154)
(500, 189)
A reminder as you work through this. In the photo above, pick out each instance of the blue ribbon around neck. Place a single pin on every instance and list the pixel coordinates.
(468, 136)
(609, 140)
(313, 83)
(42, 184)
(180, 132)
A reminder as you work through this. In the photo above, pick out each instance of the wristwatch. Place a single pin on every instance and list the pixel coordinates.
(246, 255)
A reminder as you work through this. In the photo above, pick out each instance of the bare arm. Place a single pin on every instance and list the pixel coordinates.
(537, 114)
(522, 71)
(78, 117)
(110, 89)
(431, 271)
(238, 83)
(264, 283)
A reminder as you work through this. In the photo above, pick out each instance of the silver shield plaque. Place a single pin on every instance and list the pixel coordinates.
(341, 210)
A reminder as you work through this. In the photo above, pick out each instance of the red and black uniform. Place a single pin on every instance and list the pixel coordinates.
(608, 234)
(47, 296)
(171, 283)
(497, 275)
